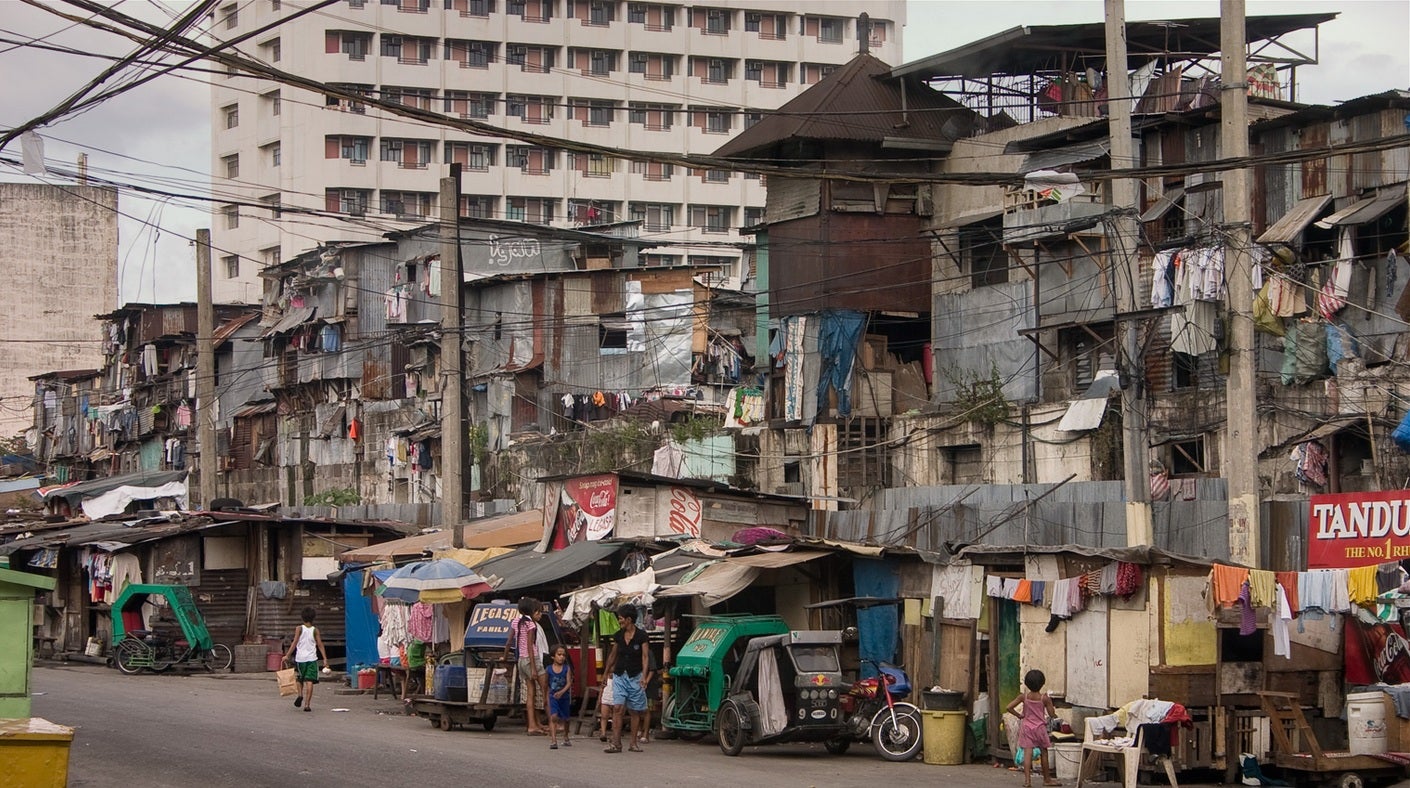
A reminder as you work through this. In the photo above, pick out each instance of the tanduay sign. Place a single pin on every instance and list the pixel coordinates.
(1347, 530)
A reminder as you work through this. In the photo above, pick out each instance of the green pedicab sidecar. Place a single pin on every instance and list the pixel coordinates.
(129, 650)
(703, 666)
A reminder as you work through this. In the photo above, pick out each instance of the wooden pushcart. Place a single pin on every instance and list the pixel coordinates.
(1296, 749)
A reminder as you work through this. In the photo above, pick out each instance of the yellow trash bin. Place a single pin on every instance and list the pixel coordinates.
(36, 752)
(943, 733)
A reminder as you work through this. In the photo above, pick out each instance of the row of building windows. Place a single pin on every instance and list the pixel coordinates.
(655, 217)
(529, 109)
(542, 59)
(654, 17)
(481, 156)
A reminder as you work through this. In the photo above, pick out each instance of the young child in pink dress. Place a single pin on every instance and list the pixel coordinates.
(1033, 727)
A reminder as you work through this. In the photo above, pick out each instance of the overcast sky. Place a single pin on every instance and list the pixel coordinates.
(163, 128)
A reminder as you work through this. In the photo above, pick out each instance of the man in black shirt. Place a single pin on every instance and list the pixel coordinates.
(626, 664)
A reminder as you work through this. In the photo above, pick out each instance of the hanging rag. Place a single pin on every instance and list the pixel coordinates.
(1361, 585)
(1248, 622)
(1128, 578)
(1288, 580)
(1261, 585)
(1227, 582)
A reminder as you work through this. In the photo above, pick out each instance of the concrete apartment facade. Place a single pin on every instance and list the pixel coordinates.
(58, 249)
(675, 77)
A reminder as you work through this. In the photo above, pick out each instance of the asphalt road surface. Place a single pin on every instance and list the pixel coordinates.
(234, 730)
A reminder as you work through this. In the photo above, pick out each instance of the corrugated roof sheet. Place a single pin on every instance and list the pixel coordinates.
(1287, 229)
(1038, 48)
(857, 102)
(291, 320)
(224, 331)
(1367, 210)
(1061, 157)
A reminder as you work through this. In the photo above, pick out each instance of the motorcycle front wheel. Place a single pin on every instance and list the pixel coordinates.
(896, 734)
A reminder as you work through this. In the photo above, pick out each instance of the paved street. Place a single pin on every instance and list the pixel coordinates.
(176, 730)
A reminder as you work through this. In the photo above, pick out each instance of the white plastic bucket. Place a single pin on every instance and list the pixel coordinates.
(1366, 722)
(1067, 756)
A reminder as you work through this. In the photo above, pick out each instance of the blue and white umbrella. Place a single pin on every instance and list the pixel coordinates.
(439, 574)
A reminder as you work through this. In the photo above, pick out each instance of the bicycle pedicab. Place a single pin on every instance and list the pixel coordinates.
(136, 648)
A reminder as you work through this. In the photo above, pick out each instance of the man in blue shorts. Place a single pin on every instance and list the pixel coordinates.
(626, 663)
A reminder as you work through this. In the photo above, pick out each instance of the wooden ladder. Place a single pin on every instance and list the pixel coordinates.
(1290, 730)
(587, 713)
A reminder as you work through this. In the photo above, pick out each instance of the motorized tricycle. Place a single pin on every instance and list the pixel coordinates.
(787, 688)
(704, 667)
(137, 647)
(876, 713)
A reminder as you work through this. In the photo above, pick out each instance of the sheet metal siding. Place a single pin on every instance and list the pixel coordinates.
(849, 261)
(978, 330)
(373, 278)
(1086, 513)
(279, 617)
(222, 597)
(1085, 295)
(1314, 171)
(791, 198)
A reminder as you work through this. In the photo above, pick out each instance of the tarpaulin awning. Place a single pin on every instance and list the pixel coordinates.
(1163, 205)
(291, 320)
(525, 568)
(390, 551)
(715, 583)
(726, 577)
(1367, 210)
(505, 530)
(776, 560)
(1287, 229)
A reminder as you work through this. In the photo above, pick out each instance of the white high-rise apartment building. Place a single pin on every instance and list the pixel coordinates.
(676, 77)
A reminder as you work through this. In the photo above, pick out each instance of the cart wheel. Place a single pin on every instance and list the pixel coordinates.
(1350, 780)
(445, 722)
(730, 729)
(837, 746)
(488, 722)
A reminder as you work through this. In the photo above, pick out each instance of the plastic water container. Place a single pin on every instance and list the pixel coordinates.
(1067, 757)
(450, 683)
(1366, 722)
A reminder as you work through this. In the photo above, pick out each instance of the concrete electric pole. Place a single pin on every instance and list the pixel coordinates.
(205, 368)
(1241, 432)
(452, 362)
(1125, 275)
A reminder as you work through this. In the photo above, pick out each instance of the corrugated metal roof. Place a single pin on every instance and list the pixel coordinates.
(1367, 210)
(1061, 157)
(1163, 205)
(1034, 49)
(857, 102)
(229, 327)
(1287, 229)
(291, 320)
(255, 409)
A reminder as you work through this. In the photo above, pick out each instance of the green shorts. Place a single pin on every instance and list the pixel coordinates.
(307, 671)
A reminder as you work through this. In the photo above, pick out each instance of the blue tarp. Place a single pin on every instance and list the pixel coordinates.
(877, 624)
(361, 622)
(837, 347)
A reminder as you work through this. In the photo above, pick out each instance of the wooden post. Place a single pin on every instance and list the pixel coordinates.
(452, 362)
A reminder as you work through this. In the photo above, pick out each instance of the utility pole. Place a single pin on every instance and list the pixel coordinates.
(452, 362)
(205, 367)
(1241, 460)
(1135, 442)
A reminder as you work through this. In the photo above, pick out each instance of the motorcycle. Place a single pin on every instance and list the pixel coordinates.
(880, 715)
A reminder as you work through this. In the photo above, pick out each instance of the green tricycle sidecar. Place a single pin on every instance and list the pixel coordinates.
(137, 648)
(704, 666)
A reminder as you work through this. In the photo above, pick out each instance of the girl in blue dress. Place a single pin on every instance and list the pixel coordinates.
(560, 697)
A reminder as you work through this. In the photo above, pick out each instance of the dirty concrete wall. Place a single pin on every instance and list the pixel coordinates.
(50, 235)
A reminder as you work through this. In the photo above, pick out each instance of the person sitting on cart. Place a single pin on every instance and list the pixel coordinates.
(627, 664)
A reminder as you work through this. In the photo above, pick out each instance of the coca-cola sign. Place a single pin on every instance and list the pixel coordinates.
(1347, 530)
(587, 510)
